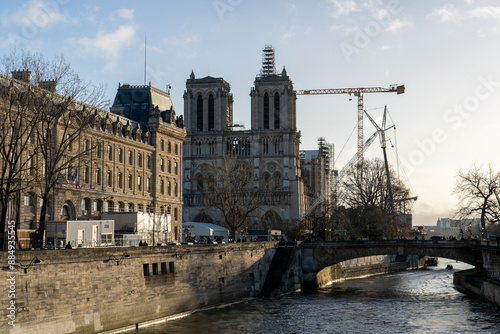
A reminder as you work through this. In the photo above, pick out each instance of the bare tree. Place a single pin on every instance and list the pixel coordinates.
(231, 190)
(20, 112)
(68, 82)
(46, 127)
(478, 191)
(59, 135)
(367, 201)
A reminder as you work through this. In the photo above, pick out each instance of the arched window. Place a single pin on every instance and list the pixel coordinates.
(98, 176)
(211, 113)
(130, 182)
(98, 205)
(130, 207)
(175, 189)
(110, 152)
(121, 207)
(276, 111)
(169, 166)
(169, 188)
(266, 111)
(111, 206)
(86, 174)
(277, 181)
(199, 113)
(266, 180)
(120, 180)
(162, 187)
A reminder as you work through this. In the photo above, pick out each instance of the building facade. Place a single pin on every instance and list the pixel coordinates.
(132, 160)
(270, 148)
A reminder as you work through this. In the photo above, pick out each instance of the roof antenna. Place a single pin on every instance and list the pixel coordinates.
(145, 37)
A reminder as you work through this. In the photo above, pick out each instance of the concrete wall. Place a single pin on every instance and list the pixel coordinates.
(87, 290)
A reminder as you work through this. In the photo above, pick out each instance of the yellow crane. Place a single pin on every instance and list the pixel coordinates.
(359, 92)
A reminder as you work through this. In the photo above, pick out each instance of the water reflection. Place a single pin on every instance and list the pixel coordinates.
(423, 301)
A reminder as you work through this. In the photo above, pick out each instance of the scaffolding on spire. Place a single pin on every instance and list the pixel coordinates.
(268, 63)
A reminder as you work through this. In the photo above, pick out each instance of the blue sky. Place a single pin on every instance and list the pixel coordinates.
(445, 52)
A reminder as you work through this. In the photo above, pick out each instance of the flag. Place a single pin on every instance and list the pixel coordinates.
(75, 178)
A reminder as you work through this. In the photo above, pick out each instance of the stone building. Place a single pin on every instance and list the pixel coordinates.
(132, 160)
(270, 148)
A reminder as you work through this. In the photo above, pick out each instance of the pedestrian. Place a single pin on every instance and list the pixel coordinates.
(68, 245)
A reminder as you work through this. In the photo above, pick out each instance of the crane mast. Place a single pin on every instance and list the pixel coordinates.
(359, 92)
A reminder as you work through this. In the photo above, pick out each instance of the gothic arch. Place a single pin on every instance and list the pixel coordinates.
(271, 221)
(203, 217)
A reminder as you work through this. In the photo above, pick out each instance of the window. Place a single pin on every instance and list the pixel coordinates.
(120, 180)
(110, 179)
(139, 185)
(98, 150)
(98, 176)
(169, 188)
(98, 206)
(130, 207)
(175, 189)
(162, 145)
(199, 182)
(155, 268)
(162, 187)
(211, 113)
(139, 159)
(162, 166)
(130, 181)
(110, 152)
(86, 204)
(148, 184)
(175, 214)
(171, 268)
(169, 147)
(86, 146)
(199, 113)
(32, 166)
(266, 111)
(111, 206)
(145, 269)
(176, 149)
(149, 161)
(130, 157)
(86, 174)
(120, 155)
(276, 111)
(169, 166)
(175, 168)
(164, 268)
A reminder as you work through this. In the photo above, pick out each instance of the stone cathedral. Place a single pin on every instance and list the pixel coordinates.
(270, 148)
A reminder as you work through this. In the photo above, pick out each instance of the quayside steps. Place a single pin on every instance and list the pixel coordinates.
(279, 266)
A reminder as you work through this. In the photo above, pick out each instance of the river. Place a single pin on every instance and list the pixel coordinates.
(423, 301)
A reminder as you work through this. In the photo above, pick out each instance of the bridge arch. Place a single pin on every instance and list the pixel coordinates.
(319, 255)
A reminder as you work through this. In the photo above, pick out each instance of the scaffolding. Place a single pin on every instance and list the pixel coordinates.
(268, 63)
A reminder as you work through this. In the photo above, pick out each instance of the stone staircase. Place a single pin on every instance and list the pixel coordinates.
(279, 267)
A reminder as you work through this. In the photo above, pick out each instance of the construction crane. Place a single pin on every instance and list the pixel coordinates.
(359, 92)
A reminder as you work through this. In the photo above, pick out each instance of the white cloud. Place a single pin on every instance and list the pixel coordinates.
(446, 13)
(108, 45)
(485, 12)
(397, 25)
(39, 13)
(343, 7)
(127, 14)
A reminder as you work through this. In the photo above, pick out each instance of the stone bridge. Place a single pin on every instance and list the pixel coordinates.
(484, 255)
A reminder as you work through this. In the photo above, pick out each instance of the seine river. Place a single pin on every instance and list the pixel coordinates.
(422, 301)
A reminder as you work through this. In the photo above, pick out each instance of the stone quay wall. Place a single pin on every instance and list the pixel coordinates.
(470, 282)
(100, 289)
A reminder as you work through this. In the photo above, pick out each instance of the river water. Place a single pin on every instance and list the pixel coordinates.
(423, 301)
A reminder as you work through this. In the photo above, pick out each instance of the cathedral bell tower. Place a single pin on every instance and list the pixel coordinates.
(208, 105)
(272, 97)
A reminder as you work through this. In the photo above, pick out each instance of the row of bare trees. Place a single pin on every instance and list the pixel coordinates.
(38, 130)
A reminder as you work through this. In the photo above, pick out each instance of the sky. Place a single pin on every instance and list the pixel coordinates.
(446, 53)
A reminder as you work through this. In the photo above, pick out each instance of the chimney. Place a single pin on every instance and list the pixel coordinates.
(49, 85)
(22, 75)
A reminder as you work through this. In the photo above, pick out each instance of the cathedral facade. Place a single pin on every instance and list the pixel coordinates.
(270, 148)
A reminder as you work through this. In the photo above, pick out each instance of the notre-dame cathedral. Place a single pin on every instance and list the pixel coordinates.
(270, 148)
